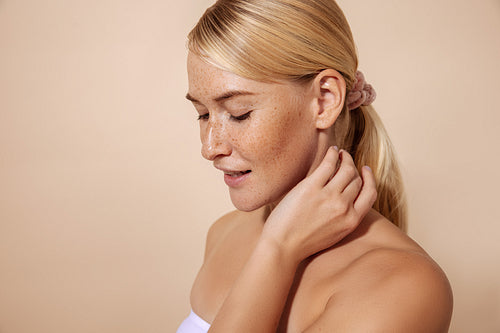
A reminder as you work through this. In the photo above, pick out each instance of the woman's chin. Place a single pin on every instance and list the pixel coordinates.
(248, 200)
(247, 204)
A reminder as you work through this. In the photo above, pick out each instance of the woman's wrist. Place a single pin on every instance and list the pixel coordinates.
(284, 253)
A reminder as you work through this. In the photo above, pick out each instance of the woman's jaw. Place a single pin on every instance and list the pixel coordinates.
(246, 194)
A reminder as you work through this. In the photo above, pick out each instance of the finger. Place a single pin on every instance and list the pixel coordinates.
(351, 191)
(326, 168)
(345, 174)
(368, 193)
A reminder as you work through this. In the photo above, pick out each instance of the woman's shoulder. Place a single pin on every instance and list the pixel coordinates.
(392, 290)
(398, 277)
(233, 224)
(388, 280)
(229, 243)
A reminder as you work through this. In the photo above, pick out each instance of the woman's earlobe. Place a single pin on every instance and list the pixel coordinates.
(331, 90)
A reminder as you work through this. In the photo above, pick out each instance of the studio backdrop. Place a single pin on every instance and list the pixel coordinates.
(105, 200)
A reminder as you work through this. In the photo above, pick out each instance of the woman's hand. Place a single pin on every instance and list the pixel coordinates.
(323, 208)
(314, 215)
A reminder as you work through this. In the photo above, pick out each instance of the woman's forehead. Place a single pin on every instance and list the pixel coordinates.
(209, 82)
(201, 71)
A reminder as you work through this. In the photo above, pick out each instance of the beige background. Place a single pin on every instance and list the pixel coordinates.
(105, 201)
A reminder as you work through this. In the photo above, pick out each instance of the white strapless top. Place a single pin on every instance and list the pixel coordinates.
(193, 324)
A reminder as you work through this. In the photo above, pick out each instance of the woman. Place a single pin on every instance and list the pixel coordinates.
(282, 108)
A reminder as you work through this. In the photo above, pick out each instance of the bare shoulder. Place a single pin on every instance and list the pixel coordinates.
(398, 290)
(389, 289)
(220, 229)
(228, 225)
(229, 243)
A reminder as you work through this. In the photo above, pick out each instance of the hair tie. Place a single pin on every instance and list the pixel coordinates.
(361, 93)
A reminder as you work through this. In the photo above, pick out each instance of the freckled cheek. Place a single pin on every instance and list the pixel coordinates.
(267, 140)
(244, 141)
(290, 137)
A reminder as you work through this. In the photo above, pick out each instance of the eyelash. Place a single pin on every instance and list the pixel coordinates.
(243, 116)
(239, 118)
(203, 116)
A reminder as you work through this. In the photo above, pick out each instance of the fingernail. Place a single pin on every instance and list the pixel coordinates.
(367, 167)
(336, 148)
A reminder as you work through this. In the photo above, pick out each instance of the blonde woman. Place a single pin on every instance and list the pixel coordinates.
(317, 242)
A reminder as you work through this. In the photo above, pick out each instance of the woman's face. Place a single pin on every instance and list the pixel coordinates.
(260, 135)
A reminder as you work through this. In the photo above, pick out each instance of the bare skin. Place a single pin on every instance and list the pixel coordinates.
(304, 253)
(375, 280)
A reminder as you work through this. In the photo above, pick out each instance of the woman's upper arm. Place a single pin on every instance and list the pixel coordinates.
(411, 294)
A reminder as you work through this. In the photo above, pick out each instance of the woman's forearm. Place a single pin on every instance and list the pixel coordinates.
(317, 213)
(257, 298)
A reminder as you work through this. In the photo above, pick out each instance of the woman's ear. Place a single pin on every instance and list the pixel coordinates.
(329, 91)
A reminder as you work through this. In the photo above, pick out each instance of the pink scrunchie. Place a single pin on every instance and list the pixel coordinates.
(361, 93)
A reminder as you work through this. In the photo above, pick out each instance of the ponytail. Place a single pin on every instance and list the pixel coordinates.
(290, 40)
(367, 141)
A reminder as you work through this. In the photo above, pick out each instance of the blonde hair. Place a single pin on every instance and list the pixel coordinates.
(269, 40)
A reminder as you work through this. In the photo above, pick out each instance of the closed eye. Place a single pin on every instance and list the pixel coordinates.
(242, 117)
(203, 116)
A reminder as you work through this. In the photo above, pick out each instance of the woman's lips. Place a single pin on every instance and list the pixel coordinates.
(235, 178)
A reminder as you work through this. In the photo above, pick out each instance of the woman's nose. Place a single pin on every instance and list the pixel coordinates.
(214, 141)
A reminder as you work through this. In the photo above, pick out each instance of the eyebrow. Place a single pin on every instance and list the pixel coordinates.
(224, 97)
